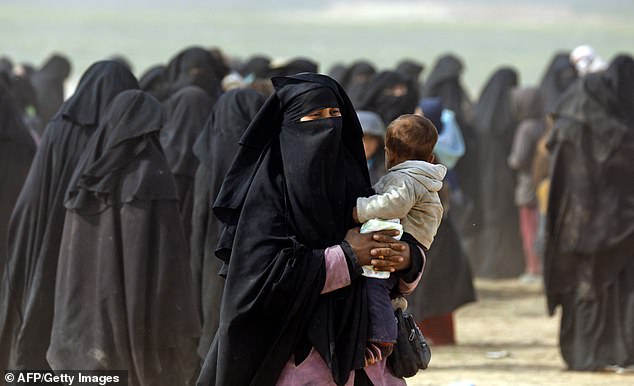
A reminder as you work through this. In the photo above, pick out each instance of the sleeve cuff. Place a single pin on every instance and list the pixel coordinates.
(354, 267)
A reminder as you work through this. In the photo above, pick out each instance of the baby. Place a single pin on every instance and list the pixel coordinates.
(409, 192)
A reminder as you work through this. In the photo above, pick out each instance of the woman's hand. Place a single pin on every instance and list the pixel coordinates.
(379, 249)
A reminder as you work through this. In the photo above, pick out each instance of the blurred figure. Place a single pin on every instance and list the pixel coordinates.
(153, 81)
(355, 79)
(389, 94)
(559, 75)
(35, 230)
(498, 252)
(529, 109)
(17, 149)
(588, 266)
(215, 149)
(373, 143)
(48, 83)
(193, 66)
(123, 297)
(186, 113)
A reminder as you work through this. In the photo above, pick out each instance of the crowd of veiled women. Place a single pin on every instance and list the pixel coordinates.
(108, 238)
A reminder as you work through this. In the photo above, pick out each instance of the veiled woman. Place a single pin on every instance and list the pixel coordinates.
(17, 149)
(294, 308)
(35, 231)
(589, 257)
(498, 252)
(186, 113)
(123, 296)
(215, 148)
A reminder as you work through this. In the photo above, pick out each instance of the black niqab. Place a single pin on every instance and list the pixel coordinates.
(288, 195)
(559, 75)
(376, 96)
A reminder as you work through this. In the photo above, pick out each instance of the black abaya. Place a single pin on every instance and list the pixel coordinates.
(35, 231)
(215, 148)
(498, 250)
(589, 259)
(123, 293)
(17, 149)
(186, 113)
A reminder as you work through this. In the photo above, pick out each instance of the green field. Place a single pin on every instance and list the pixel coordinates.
(485, 33)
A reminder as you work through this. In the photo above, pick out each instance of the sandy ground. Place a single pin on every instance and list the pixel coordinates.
(509, 320)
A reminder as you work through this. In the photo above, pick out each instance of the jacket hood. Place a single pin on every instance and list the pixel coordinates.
(430, 175)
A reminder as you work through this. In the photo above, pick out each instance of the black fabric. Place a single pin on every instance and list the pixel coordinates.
(17, 149)
(48, 83)
(35, 231)
(123, 296)
(355, 79)
(215, 148)
(153, 81)
(557, 77)
(295, 66)
(447, 282)
(444, 82)
(591, 198)
(186, 113)
(193, 66)
(289, 195)
(499, 251)
(257, 65)
(376, 96)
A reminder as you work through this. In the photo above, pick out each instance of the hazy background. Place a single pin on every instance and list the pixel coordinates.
(485, 33)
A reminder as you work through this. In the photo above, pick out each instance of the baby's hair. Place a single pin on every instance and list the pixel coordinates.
(411, 137)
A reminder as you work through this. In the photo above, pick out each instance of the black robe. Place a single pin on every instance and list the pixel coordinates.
(215, 148)
(35, 231)
(444, 82)
(498, 251)
(589, 258)
(17, 149)
(287, 197)
(123, 297)
(186, 113)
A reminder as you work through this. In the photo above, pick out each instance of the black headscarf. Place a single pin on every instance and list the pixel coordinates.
(295, 66)
(194, 66)
(153, 81)
(216, 147)
(444, 82)
(35, 231)
(355, 79)
(389, 107)
(288, 196)
(48, 83)
(559, 75)
(411, 69)
(257, 65)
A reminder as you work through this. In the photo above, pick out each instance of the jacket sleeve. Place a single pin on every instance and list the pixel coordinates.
(397, 200)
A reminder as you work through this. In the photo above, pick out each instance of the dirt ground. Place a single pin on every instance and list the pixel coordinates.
(509, 322)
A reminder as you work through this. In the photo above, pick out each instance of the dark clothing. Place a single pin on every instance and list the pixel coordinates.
(35, 231)
(215, 148)
(448, 282)
(48, 83)
(186, 112)
(559, 75)
(16, 153)
(377, 96)
(283, 202)
(193, 66)
(123, 293)
(498, 251)
(588, 265)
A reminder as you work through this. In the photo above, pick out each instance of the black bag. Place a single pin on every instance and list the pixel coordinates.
(411, 351)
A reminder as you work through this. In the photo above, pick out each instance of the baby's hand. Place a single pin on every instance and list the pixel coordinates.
(355, 217)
